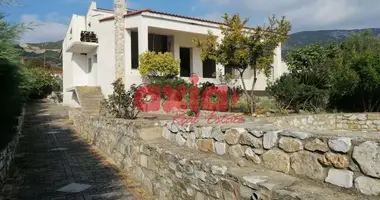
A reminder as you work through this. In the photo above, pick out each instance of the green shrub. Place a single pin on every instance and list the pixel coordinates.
(154, 64)
(120, 103)
(298, 92)
(10, 100)
(173, 82)
(356, 82)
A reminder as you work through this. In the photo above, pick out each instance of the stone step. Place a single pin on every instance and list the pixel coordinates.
(90, 98)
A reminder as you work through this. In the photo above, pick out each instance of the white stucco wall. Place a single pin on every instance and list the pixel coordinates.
(72, 64)
(106, 56)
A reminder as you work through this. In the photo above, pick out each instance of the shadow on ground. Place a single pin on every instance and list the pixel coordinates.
(50, 156)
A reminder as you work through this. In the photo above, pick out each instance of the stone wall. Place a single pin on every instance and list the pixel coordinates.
(230, 163)
(344, 158)
(8, 153)
(345, 121)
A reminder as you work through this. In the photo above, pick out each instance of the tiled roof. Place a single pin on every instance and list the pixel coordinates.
(161, 13)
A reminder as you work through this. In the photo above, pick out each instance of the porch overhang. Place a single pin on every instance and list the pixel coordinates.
(82, 47)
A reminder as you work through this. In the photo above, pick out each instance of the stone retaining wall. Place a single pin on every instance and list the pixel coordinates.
(8, 153)
(363, 121)
(345, 159)
(172, 172)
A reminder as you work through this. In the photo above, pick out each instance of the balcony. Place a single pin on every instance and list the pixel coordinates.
(87, 43)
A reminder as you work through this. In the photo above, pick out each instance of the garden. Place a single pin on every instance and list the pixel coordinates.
(337, 77)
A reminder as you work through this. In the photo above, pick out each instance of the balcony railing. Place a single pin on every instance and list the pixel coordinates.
(88, 36)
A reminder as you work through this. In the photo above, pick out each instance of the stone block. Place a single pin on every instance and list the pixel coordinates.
(277, 160)
(270, 139)
(180, 140)
(219, 170)
(191, 141)
(290, 145)
(236, 151)
(368, 186)
(367, 156)
(250, 155)
(201, 175)
(342, 144)
(337, 160)
(306, 164)
(317, 145)
(206, 145)
(206, 132)
(220, 148)
(250, 140)
(341, 178)
(232, 136)
(256, 133)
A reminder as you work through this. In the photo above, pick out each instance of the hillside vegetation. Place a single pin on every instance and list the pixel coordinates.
(304, 38)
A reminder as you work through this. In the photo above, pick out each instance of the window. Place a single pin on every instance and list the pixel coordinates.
(209, 68)
(228, 70)
(89, 63)
(158, 43)
(135, 50)
(185, 56)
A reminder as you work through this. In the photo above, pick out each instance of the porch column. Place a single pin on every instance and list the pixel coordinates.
(143, 38)
(176, 47)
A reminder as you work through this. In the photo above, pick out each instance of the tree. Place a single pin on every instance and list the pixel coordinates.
(9, 35)
(244, 48)
(356, 81)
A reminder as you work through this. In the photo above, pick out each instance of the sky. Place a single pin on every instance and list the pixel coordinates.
(49, 18)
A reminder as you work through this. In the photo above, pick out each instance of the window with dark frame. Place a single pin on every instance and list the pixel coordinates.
(228, 70)
(135, 50)
(209, 68)
(156, 43)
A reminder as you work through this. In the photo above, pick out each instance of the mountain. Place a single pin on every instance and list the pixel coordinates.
(46, 52)
(305, 38)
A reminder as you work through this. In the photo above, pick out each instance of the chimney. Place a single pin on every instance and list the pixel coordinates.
(120, 8)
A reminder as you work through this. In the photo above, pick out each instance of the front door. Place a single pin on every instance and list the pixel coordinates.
(185, 56)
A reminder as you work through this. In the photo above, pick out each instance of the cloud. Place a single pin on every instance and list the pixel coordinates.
(307, 14)
(51, 28)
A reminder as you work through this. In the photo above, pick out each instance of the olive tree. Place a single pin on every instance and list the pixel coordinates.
(243, 48)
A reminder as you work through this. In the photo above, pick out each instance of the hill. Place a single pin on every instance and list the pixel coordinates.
(48, 45)
(304, 38)
(47, 52)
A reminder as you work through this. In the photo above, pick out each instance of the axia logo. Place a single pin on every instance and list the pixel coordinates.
(213, 98)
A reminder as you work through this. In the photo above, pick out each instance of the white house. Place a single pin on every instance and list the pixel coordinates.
(91, 62)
